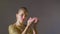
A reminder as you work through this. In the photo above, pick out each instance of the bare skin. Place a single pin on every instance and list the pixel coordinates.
(21, 17)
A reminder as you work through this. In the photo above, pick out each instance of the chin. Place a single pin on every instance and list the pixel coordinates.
(22, 21)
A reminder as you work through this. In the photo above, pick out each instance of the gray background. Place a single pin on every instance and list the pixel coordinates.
(48, 12)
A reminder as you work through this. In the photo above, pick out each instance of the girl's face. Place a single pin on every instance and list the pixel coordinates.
(21, 16)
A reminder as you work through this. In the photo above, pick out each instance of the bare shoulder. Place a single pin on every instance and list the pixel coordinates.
(13, 30)
(11, 26)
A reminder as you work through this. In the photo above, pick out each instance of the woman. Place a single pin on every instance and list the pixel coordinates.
(19, 27)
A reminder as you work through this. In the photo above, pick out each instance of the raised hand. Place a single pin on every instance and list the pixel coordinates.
(35, 19)
(30, 21)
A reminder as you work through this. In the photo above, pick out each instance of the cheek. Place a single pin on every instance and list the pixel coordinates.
(19, 17)
(22, 17)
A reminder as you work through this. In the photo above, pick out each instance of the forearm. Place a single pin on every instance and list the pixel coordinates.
(25, 30)
(34, 30)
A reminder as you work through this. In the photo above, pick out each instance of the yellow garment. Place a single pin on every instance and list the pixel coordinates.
(13, 29)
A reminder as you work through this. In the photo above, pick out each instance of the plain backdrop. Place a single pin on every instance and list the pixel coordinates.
(48, 12)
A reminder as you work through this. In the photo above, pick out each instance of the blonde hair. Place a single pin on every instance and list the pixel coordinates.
(23, 8)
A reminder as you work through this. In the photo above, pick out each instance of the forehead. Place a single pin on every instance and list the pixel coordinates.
(22, 12)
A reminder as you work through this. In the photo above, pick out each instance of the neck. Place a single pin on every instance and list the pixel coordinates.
(18, 23)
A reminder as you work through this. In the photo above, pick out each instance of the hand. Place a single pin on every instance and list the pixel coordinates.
(35, 20)
(30, 21)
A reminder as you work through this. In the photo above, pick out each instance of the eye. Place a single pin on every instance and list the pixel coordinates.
(25, 15)
(21, 14)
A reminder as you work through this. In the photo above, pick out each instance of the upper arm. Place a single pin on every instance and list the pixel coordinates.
(12, 30)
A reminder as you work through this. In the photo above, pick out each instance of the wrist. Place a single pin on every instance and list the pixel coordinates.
(28, 26)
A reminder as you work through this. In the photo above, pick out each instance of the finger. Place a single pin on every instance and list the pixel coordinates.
(30, 18)
(36, 20)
